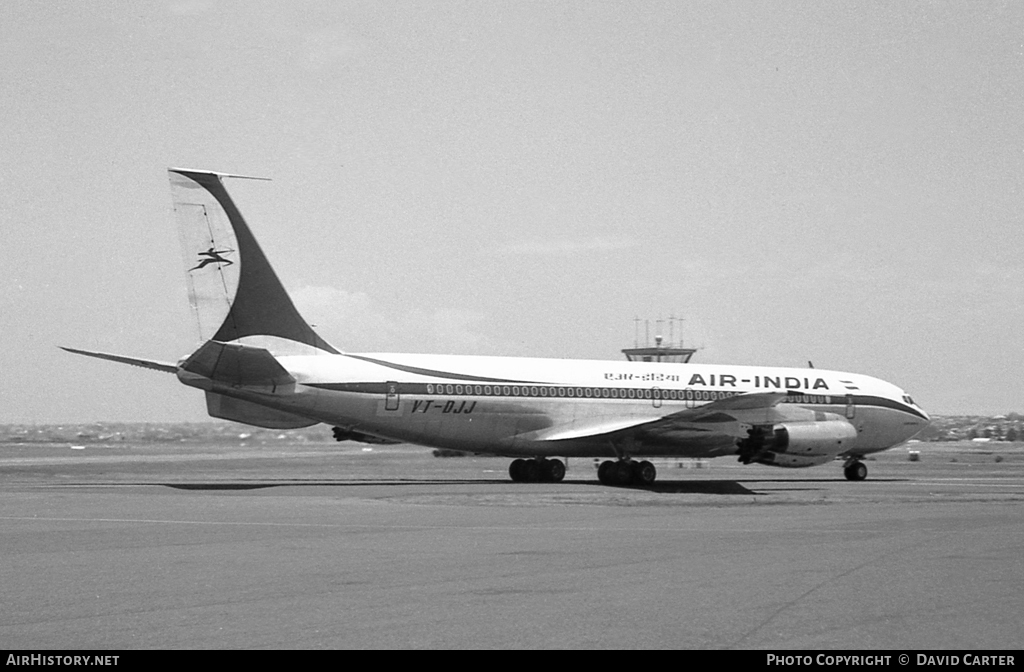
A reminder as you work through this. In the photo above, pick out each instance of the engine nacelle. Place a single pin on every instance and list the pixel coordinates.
(797, 444)
(792, 461)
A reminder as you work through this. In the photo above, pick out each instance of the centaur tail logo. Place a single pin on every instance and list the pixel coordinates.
(212, 256)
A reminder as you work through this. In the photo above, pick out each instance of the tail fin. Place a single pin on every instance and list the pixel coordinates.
(234, 292)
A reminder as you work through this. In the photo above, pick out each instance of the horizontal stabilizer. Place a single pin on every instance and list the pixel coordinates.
(134, 361)
(236, 365)
(246, 412)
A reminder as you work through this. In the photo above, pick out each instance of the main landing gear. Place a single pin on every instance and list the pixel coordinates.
(855, 470)
(626, 472)
(540, 470)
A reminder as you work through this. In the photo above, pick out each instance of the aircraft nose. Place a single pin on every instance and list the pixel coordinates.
(924, 414)
(915, 428)
(907, 399)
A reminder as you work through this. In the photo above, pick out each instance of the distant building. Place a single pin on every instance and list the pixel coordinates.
(659, 353)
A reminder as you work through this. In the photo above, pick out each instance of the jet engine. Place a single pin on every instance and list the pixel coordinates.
(796, 444)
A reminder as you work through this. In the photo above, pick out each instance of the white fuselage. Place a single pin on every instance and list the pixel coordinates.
(505, 406)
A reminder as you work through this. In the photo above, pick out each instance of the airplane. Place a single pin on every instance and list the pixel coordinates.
(260, 363)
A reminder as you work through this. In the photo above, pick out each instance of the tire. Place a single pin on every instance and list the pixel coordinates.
(856, 472)
(554, 471)
(622, 473)
(644, 473)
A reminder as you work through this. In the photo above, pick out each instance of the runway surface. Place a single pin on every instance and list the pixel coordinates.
(316, 545)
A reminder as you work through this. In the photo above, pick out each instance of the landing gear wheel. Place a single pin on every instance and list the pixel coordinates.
(536, 471)
(532, 471)
(622, 473)
(855, 471)
(626, 472)
(554, 471)
(644, 473)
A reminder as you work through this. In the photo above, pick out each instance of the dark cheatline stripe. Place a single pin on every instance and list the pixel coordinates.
(864, 400)
(443, 374)
(369, 388)
(603, 393)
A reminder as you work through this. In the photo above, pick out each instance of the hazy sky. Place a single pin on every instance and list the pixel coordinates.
(839, 182)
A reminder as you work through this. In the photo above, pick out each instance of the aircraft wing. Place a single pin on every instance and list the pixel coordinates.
(588, 428)
(134, 361)
(746, 408)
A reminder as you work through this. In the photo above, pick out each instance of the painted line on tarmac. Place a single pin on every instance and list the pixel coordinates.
(977, 482)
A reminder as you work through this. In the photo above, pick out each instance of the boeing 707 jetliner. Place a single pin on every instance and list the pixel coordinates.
(261, 364)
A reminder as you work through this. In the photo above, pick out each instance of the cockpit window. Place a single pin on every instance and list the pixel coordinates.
(909, 400)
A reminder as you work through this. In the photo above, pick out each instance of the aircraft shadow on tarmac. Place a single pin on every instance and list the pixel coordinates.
(695, 488)
(665, 487)
(321, 484)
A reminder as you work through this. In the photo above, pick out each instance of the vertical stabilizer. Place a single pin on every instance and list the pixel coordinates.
(234, 293)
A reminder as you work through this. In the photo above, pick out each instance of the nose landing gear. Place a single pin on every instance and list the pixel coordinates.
(855, 470)
(540, 470)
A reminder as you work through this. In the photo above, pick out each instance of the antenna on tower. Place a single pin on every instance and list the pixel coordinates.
(670, 352)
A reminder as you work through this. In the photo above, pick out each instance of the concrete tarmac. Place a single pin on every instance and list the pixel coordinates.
(315, 546)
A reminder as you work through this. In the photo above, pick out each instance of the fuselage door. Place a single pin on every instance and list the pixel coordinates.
(851, 410)
(391, 399)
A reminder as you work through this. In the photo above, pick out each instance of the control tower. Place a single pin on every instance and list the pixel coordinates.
(673, 353)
